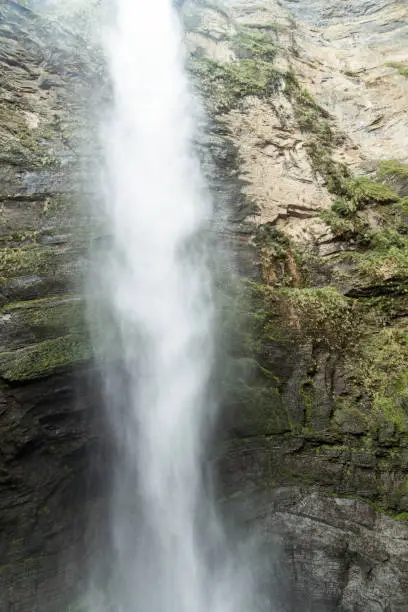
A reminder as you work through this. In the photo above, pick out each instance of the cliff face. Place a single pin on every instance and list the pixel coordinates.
(311, 99)
(48, 422)
(308, 140)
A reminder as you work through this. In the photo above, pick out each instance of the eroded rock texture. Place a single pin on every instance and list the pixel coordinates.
(311, 98)
(308, 150)
(48, 418)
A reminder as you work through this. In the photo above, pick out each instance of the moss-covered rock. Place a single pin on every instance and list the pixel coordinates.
(226, 85)
(394, 173)
(250, 43)
(45, 358)
(363, 192)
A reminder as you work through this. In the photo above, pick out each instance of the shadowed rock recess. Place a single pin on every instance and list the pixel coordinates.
(306, 145)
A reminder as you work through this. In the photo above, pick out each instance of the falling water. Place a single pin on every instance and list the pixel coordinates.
(170, 551)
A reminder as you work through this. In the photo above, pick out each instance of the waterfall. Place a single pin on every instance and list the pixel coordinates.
(170, 552)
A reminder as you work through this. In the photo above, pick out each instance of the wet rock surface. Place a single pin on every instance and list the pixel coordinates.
(303, 98)
(330, 554)
(49, 419)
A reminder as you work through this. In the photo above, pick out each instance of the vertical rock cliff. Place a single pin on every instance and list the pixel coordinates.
(307, 134)
(48, 419)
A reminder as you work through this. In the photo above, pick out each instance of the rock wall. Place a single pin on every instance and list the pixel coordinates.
(50, 425)
(311, 99)
(307, 143)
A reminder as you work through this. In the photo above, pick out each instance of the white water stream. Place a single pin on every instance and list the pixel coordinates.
(170, 551)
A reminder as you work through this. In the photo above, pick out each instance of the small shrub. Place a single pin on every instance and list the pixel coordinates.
(387, 257)
(386, 239)
(344, 207)
(403, 205)
(363, 191)
(391, 168)
(344, 228)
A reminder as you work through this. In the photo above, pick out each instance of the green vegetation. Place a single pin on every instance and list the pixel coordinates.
(310, 116)
(225, 85)
(270, 26)
(402, 69)
(349, 417)
(381, 372)
(323, 315)
(253, 73)
(45, 317)
(279, 262)
(402, 205)
(363, 191)
(351, 73)
(44, 358)
(346, 217)
(386, 258)
(384, 253)
(344, 227)
(26, 260)
(315, 121)
(334, 173)
(255, 45)
(392, 168)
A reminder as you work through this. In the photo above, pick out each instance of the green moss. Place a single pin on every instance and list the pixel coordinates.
(380, 372)
(280, 262)
(254, 44)
(47, 317)
(363, 191)
(394, 217)
(268, 235)
(346, 220)
(403, 205)
(402, 69)
(323, 316)
(28, 236)
(269, 26)
(44, 358)
(387, 257)
(26, 260)
(20, 145)
(350, 418)
(344, 227)
(344, 207)
(392, 409)
(322, 163)
(392, 168)
(225, 85)
(311, 117)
